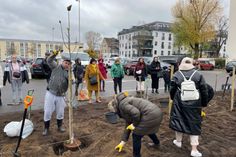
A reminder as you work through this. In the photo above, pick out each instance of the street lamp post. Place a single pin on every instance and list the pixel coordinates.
(78, 22)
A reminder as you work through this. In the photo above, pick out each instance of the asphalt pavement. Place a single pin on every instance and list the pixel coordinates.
(214, 78)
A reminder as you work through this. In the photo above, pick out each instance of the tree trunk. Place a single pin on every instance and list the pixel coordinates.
(196, 51)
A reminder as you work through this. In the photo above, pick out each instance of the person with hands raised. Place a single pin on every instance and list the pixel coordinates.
(142, 118)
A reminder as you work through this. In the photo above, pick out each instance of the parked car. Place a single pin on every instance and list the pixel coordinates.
(205, 65)
(229, 66)
(108, 62)
(175, 63)
(129, 67)
(37, 68)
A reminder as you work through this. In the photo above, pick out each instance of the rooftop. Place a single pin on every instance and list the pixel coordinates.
(157, 25)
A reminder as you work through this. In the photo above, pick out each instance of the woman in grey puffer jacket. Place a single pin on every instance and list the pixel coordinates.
(141, 116)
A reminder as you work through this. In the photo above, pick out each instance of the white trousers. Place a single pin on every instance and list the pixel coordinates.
(193, 138)
(140, 85)
(52, 103)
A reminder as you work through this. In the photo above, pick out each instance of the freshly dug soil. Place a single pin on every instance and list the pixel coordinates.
(99, 138)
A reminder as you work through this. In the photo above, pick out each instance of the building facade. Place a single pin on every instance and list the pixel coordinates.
(31, 48)
(149, 40)
(109, 47)
(231, 46)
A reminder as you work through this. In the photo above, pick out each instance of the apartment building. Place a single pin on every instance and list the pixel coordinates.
(31, 48)
(149, 40)
(109, 47)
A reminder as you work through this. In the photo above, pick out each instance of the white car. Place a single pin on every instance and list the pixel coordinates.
(109, 61)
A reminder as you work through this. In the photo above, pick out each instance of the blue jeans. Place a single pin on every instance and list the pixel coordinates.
(137, 143)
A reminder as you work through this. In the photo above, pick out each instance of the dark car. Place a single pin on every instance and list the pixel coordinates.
(129, 67)
(230, 65)
(37, 69)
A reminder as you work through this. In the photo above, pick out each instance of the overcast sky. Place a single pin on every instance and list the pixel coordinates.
(34, 19)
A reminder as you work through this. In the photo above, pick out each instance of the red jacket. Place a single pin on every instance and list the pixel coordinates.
(103, 70)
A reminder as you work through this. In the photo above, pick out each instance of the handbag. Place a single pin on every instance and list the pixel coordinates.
(93, 80)
(16, 74)
(160, 74)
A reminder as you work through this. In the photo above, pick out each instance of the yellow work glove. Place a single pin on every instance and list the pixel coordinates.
(203, 114)
(130, 127)
(55, 52)
(120, 146)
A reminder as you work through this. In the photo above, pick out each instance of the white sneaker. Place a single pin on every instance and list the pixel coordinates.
(196, 154)
(178, 144)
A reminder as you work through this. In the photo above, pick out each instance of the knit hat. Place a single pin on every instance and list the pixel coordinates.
(186, 64)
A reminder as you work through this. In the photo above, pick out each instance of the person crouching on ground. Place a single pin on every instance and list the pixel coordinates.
(142, 118)
(92, 78)
(185, 116)
(140, 74)
(55, 94)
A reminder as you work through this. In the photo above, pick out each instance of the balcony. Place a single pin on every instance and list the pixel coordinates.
(143, 37)
(143, 47)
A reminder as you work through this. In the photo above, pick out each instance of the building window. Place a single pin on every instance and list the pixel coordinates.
(26, 50)
(125, 45)
(22, 50)
(169, 45)
(51, 47)
(168, 53)
(170, 37)
(163, 36)
(162, 45)
(39, 50)
(129, 45)
(156, 34)
(155, 43)
(122, 37)
(155, 52)
(47, 48)
(162, 53)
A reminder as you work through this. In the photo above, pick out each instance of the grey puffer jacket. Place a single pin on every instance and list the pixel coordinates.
(145, 116)
(58, 83)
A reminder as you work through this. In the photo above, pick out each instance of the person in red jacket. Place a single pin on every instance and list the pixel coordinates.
(103, 71)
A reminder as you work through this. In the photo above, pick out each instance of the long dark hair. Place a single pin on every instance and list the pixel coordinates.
(92, 60)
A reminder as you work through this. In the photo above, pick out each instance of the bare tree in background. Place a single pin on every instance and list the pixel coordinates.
(93, 40)
(221, 36)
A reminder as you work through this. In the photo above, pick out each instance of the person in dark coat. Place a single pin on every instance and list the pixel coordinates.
(155, 68)
(166, 77)
(142, 118)
(140, 74)
(78, 71)
(185, 116)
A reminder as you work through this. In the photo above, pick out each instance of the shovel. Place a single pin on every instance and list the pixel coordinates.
(27, 101)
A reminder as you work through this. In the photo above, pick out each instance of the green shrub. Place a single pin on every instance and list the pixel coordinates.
(219, 63)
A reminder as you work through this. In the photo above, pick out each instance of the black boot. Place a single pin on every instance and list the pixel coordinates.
(152, 90)
(46, 127)
(157, 91)
(0, 102)
(59, 125)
